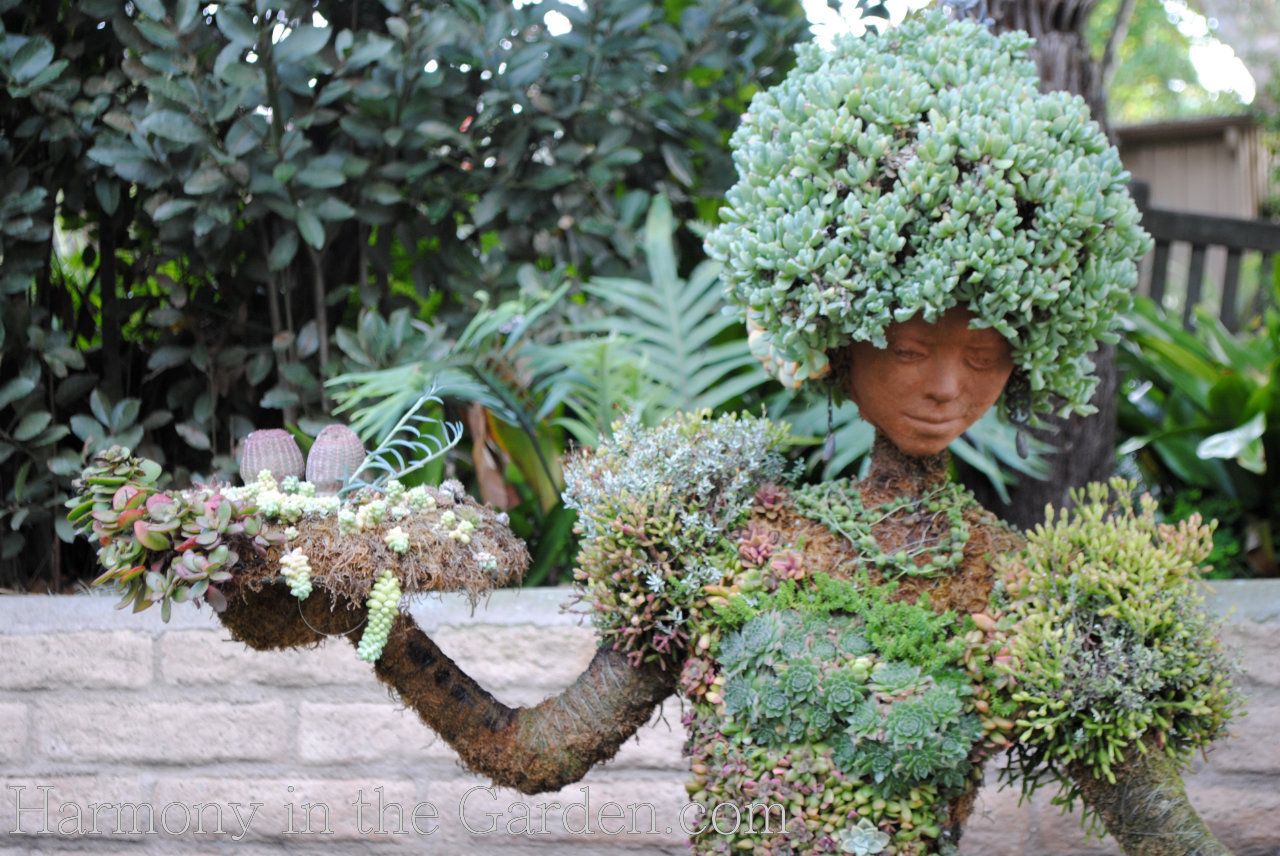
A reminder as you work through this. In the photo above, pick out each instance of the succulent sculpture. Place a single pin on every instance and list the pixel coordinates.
(915, 217)
(904, 173)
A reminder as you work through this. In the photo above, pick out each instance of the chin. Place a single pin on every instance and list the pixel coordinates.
(924, 449)
(923, 446)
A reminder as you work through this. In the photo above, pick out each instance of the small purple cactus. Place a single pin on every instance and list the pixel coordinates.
(272, 449)
(335, 456)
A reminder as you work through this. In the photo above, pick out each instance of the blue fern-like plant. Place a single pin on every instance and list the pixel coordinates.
(411, 444)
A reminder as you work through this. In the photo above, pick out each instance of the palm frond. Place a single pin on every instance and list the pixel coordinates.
(676, 325)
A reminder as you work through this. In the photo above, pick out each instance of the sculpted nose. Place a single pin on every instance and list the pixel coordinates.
(943, 383)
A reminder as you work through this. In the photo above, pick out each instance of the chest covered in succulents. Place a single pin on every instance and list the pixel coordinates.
(843, 697)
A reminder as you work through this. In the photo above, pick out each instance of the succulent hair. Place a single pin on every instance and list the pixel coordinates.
(903, 173)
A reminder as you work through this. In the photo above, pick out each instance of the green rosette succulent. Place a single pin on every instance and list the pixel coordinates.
(903, 173)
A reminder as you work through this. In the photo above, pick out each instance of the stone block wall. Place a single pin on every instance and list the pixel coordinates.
(114, 724)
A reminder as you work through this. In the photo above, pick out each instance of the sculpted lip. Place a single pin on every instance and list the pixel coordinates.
(936, 423)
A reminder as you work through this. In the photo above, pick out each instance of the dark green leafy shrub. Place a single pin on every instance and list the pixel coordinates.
(1201, 412)
(253, 198)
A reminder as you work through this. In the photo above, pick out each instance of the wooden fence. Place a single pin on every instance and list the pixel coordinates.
(1223, 263)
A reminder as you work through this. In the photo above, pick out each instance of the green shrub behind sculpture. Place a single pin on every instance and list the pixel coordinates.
(913, 170)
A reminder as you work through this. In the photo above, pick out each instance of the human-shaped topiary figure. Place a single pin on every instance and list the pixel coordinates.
(916, 220)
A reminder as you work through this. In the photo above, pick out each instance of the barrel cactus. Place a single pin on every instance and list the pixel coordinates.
(271, 449)
(335, 457)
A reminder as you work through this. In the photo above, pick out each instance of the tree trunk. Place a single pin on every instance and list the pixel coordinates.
(536, 749)
(1146, 809)
(1085, 445)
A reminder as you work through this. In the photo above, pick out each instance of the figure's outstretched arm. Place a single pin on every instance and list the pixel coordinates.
(532, 750)
(1120, 672)
(1146, 810)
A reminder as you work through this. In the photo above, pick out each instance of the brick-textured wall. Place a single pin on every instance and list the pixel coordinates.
(101, 709)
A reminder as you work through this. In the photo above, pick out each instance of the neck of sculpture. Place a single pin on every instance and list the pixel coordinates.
(907, 475)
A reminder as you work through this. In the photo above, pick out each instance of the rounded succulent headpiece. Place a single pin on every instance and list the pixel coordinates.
(907, 172)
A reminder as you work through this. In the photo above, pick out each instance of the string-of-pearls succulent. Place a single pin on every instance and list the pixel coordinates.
(297, 572)
(383, 604)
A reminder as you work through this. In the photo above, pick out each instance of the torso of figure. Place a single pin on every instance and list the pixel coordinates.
(843, 702)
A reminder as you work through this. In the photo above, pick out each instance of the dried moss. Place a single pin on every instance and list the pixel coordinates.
(347, 565)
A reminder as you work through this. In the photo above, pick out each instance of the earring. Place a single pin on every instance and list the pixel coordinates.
(829, 446)
(1017, 405)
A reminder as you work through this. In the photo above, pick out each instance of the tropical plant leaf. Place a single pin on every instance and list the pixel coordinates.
(676, 326)
(598, 379)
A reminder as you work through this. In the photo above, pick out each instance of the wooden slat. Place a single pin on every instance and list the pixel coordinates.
(1206, 229)
(1264, 284)
(1159, 271)
(1195, 284)
(1230, 288)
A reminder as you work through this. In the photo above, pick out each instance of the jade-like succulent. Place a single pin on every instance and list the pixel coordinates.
(1110, 644)
(902, 173)
(863, 839)
(272, 450)
(161, 547)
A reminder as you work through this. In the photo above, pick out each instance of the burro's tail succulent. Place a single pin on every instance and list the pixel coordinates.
(272, 449)
(335, 457)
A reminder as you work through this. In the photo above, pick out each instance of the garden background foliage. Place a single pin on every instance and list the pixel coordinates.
(205, 213)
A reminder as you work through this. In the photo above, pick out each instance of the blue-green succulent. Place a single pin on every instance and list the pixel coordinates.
(902, 173)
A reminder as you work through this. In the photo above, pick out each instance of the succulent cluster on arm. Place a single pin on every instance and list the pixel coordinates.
(654, 506)
(1113, 653)
(913, 170)
(203, 543)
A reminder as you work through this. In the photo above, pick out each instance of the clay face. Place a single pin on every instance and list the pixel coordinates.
(932, 381)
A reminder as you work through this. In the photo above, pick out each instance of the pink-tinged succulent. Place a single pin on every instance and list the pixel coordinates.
(788, 565)
(272, 449)
(770, 500)
(756, 546)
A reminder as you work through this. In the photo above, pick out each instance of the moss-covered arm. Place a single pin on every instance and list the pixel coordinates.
(530, 749)
(1146, 810)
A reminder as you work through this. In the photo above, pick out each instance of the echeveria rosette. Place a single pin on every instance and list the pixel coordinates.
(907, 172)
